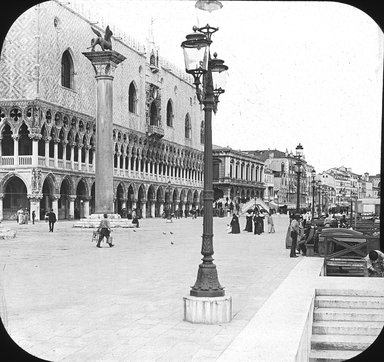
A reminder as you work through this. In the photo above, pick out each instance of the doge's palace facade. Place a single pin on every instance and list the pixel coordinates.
(47, 122)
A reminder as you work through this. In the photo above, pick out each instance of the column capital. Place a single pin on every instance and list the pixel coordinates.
(35, 136)
(55, 197)
(15, 137)
(1, 195)
(72, 197)
(104, 62)
(36, 196)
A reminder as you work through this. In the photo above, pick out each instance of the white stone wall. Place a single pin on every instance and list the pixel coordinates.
(30, 67)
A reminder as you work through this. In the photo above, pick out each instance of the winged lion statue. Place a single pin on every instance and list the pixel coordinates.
(105, 43)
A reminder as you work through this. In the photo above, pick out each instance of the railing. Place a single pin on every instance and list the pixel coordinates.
(25, 160)
(51, 162)
(7, 160)
(41, 160)
(68, 164)
(60, 163)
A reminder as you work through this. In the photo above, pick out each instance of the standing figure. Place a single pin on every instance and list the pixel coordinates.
(26, 216)
(20, 216)
(249, 217)
(104, 231)
(295, 232)
(235, 226)
(51, 220)
(33, 216)
(257, 220)
(271, 225)
(375, 263)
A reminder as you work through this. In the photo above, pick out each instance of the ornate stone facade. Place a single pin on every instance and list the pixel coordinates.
(48, 128)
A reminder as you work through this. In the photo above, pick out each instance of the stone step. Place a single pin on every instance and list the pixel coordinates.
(347, 327)
(331, 355)
(348, 314)
(340, 301)
(350, 292)
(341, 342)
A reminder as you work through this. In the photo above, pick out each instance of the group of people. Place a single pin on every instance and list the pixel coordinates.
(254, 222)
(22, 216)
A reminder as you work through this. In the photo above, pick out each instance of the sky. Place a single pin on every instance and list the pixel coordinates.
(299, 72)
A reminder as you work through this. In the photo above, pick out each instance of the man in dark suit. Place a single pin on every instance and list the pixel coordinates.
(51, 219)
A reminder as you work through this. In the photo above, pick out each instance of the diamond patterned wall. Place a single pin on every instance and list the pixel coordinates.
(30, 67)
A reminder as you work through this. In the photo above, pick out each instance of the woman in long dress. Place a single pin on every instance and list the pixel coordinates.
(249, 217)
(258, 223)
(235, 224)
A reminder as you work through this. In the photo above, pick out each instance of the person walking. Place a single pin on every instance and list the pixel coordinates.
(33, 216)
(271, 225)
(51, 220)
(295, 232)
(104, 231)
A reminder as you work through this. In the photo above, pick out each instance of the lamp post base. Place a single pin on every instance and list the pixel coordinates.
(208, 310)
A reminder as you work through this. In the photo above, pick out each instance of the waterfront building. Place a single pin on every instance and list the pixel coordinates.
(47, 121)
(237, 175)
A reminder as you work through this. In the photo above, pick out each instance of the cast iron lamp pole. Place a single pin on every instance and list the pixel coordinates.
(319, 188)
(299, 154)
(169, 218)
(198, 62)
(313, 193)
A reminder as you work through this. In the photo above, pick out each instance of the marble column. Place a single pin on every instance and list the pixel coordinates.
(104, 63)
(161, 208)
(35, 148)
(34, 205)
(87, 148)
(72, 144)
(153, 208)
(86, 206)
(56, 152)
(79, 147)
(55, 204)
(16, 149)
(144, 209)
(71, 214)
(1, 207)
(46, 151)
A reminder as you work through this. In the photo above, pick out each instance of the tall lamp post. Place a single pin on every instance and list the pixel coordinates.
(207, 289)
(198, 63)
(169, 217)
(319, 190)
(313, 174)
(299, 155)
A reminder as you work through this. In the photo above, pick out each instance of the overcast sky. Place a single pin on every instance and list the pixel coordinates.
(308, 72)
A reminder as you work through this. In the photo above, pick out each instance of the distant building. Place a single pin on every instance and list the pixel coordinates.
(284, 169)
(237, 175)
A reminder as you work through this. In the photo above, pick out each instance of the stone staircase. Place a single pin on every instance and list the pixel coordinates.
(345, 323)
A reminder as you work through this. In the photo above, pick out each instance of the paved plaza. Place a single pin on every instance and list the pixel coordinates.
(66, 300)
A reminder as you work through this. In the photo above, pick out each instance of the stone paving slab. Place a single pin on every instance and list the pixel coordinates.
(67, 300)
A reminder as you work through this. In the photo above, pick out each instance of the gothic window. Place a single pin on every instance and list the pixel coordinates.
(153, 117)
(152, 60)
(67, 70)
(132, 101)
(169, 114)
(188, 127)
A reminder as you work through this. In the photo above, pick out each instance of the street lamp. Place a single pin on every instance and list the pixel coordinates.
(313, 174)
(319, 189)
(299, 155)
(169, 217)
(198, 63)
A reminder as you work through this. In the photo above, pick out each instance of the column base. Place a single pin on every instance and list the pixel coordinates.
(93, 221)
(208, 310)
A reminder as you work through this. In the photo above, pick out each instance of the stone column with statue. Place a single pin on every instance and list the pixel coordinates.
(104, 63)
